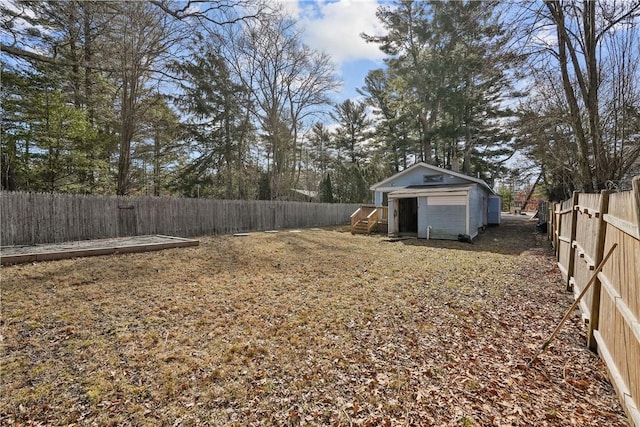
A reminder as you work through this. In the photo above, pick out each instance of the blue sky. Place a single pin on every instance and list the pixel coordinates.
(334, 27)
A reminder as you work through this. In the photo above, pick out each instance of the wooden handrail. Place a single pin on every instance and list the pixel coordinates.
(372, 220)
(357, 216)
(373, 214)
(380, 214)
(385, 213)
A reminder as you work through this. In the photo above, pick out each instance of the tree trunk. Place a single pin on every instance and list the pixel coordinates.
(593, 81)
(156, 164)
(128, 130)
(427, 147)
(586, 175)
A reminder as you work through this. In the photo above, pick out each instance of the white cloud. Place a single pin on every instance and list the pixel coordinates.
(290, 7)
(335, 28)
(545, 36)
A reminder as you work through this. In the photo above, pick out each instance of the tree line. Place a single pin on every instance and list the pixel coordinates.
(223, 98)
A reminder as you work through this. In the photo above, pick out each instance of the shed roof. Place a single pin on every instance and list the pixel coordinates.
(431, 190)
(385, 182)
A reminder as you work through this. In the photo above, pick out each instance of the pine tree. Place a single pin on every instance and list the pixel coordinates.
(326, 190)
(352, 129)
(217, 131)
(446, 65)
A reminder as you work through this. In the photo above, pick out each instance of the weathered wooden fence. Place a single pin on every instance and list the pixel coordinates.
(583, 229)
(31, 218)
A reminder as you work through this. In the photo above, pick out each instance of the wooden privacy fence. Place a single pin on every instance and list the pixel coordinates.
(583, 229)
(32, 218)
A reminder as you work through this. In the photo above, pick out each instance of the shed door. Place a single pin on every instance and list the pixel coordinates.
(408, 215)
(447, 216)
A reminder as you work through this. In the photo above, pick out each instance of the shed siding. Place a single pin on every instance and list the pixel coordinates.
(377, 198)
(493, 210)
(446, 221)
(477, 210)
(422, 217)
(392, 226)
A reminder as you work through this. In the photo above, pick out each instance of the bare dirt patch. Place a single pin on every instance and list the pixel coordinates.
(311, 328)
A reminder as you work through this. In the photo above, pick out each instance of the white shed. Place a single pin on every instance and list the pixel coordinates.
(434, 203)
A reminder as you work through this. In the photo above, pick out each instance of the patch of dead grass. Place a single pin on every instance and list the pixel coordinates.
(311, 328)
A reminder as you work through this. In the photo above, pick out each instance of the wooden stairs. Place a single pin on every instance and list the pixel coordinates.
(369, 219)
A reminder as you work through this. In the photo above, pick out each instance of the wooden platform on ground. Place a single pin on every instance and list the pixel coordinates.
(85, 248)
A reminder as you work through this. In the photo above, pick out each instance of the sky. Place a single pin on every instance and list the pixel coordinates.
(334, 27)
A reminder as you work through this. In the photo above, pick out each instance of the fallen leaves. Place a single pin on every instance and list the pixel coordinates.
(312, 328)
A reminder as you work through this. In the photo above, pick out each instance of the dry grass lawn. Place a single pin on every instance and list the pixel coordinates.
(310, 328)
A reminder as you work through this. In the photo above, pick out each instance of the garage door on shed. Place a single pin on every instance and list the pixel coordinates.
(447, 216)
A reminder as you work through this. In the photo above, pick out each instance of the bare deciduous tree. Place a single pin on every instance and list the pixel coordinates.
(288, 83)
(584, 58)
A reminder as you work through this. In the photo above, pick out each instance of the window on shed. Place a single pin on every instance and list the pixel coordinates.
(430, 179)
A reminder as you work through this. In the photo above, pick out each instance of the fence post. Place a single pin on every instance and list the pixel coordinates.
(635, 183)
(550, 221)
(595, 299)
(554, 227)
(572, 249)
(558, 229)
